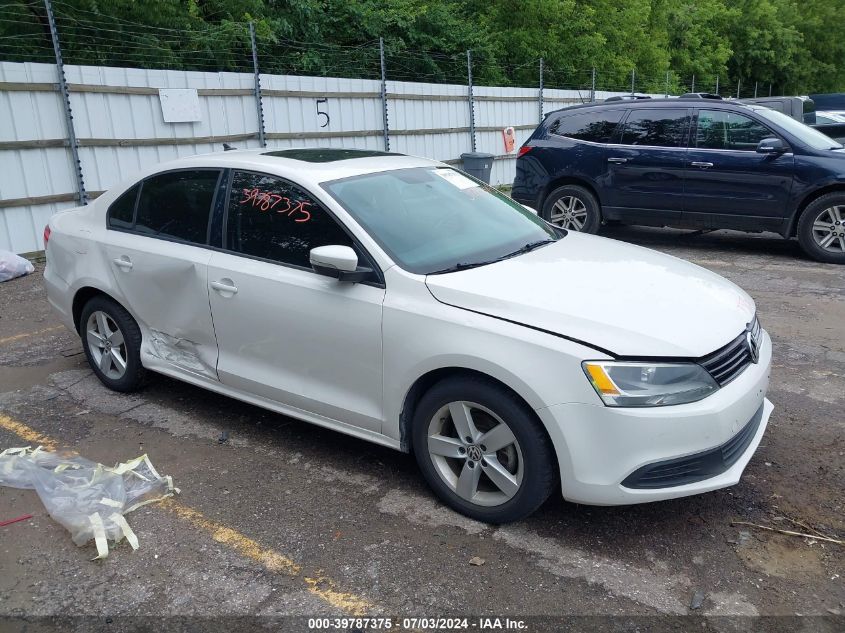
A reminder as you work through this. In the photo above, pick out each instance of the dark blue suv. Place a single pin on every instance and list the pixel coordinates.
(687, 162)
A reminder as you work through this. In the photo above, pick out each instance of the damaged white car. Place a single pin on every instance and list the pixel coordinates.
(399, 301)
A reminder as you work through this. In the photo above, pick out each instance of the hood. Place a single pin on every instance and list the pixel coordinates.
(628, 300)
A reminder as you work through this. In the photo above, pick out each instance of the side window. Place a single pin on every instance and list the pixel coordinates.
(177, 204)
(596, 126)
(122, 211)
(729, 130)
(273, 219)
(658, 127)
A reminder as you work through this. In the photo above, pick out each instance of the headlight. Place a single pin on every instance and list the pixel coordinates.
(630, 384)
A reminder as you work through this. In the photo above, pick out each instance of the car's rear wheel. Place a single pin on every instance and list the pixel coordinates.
(573, 208)
(112, 343)
(482, 450)
(821, 230)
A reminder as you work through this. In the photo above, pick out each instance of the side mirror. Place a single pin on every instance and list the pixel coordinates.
(771, 146)
(339, 262)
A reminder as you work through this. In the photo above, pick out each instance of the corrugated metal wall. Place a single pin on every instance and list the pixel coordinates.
(120, 127)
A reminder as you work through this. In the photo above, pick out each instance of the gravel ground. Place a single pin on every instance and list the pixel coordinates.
(286, 519)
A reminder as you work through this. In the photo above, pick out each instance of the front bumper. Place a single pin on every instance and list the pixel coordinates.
(601, 447)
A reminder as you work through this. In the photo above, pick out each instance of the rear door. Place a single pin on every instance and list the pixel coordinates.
(730, 185)
(285, 332)
(645, 166)
(158, 256)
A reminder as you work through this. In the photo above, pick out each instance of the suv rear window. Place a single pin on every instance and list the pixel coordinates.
(596, 126)
(662, 127)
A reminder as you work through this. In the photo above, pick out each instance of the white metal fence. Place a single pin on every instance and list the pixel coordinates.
(120, 126)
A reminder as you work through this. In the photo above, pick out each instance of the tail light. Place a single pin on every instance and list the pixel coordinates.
(46, 236)
(524, 150)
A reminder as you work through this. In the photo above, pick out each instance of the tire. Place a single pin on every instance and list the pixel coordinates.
(573, 208)
(531, 469)
(830, 210)
(105, 315)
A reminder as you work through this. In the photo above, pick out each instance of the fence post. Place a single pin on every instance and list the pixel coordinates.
(71, 133)
(471, 100)
(692, 89)
(738, 84)
(593, 85)
(667, 84)
(540, 92)
(633, 79)
(257, 86)
(770, 90)
(717, 84)
(385, 127)
(755, 89)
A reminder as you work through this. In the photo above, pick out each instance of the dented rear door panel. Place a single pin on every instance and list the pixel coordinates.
(165, 285)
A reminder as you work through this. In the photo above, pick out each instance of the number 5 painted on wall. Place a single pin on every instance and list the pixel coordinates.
(322, 113)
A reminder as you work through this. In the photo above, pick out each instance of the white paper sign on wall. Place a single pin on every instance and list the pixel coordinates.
(180, 105)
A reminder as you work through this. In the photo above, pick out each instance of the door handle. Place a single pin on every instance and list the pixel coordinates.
(123, 262)
(700, 164)
(220, 286)
(617, 159)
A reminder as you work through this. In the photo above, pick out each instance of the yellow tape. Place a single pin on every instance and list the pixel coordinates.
(111, 502)
(99, 536)
(124, 527)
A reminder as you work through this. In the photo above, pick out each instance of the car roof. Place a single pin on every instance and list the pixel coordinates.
(311, 165)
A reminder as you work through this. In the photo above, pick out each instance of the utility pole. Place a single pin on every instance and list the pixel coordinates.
(755, 89)
(633, 79)
(71, 133)
(471, 100)
(667, 83)
(737, 88)
(257, 87)
(385, 127)
(692, 89)
(593, 85)
(717, 84)
(540, 92)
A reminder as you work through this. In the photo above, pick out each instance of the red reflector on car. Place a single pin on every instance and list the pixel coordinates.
(46, 235)
(523, 150)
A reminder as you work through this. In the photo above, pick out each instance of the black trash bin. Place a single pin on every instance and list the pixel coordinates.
(478, 164)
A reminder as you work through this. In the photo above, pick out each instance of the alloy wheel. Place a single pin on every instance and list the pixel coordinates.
(106, 345)
(829, 229)
(569, 213)
(475, 453)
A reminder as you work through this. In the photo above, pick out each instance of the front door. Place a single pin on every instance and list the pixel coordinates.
(730, 185)
(284, 332)
(645, 167)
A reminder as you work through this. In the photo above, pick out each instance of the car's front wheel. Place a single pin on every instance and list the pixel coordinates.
(821, 230)
(112, 343)
(482, 450)
(573, 208)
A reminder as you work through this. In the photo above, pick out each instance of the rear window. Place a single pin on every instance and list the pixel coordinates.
(122, 210)
(662, 127)
(177, 205)
(595, 126)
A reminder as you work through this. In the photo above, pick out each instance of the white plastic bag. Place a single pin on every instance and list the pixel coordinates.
(87, 498)
(12, 266)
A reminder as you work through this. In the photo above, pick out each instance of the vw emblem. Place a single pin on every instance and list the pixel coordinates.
(474, 453)
(753, 348)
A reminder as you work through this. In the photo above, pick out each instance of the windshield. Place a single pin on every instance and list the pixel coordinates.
(432, 219)
(804, 133)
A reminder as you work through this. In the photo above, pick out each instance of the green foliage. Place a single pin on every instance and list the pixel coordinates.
(797, 47)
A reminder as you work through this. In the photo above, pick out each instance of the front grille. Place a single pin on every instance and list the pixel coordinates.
(693, 468)
(727, 363)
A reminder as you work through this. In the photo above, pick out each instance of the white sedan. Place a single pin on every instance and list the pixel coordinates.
(399, 301)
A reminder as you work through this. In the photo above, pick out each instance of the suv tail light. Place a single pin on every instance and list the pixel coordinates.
(523, 150)
(46, 236)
